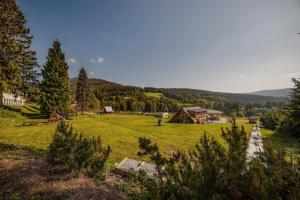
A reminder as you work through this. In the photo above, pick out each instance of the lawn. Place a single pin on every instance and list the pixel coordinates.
(120, 131)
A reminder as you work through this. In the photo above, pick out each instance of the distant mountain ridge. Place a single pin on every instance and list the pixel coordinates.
(285, 92)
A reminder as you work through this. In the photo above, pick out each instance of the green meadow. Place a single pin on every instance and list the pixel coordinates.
(120, 131)
(154, 94)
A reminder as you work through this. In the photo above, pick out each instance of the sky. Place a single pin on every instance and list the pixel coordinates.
(218, 45)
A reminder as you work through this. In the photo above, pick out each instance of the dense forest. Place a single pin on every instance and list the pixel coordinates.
(131, 98)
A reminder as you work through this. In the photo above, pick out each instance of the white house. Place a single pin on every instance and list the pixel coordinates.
(10, 99)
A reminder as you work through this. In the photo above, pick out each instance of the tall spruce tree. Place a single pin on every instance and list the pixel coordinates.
(291, 125)
(82, 91)
(55, 86)
(17, 61)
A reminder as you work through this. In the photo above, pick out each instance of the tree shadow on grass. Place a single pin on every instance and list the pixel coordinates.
(290, 144)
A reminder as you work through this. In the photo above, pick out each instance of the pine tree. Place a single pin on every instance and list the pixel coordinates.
(55, 87)
(82, 91)
(291, 125)
(17, 61)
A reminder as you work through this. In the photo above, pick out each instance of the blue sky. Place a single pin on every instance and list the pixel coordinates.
(232, 45)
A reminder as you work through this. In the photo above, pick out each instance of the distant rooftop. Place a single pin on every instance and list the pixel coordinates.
(199, 109)
(128, 164)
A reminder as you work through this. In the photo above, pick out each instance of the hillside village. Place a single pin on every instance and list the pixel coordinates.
(83, 137)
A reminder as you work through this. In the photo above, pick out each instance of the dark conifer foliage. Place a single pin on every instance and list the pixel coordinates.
(291, 124)
(212, 171)
(55, 86)
(82, 91)
(17, 60)
(76, 152)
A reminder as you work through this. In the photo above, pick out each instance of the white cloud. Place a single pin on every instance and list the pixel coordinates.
(97, 60)
(292, 75)
(92, 74)
(71, 61)
(242, 76)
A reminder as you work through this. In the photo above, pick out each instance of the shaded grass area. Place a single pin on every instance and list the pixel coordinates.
(290, 144)
(30, 110)
(9, 150)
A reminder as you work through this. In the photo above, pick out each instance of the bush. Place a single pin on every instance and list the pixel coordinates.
(272, 119)
(210, 171)
(8, 114)
(76, 152)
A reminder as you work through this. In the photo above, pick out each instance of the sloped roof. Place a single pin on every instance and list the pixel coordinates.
(108, 108)
(131, 164)
(194, 109)
(213, 111)
(199, 109)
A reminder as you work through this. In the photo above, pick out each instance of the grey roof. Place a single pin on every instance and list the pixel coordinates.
(213, 111)
(195, 109)
(130, 164)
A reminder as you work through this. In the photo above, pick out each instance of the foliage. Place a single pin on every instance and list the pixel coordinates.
(7, 113)
(128, 98)
(77, 153)
(272, 119)
(17, 60)
(212, 171)
(55, 87)
(291, 124)
(82, 91)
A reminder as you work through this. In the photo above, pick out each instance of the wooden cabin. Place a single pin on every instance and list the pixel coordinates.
(195, 115)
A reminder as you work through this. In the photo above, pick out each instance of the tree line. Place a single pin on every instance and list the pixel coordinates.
(287, 120)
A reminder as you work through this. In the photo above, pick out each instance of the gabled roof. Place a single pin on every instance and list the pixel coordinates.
(128, 164)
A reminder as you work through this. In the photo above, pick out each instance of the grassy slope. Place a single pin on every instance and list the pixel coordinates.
(154, 94)
(120, 131)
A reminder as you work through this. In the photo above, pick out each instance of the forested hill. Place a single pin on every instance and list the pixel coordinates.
(185, 93)
(109, 88)
(274, 93)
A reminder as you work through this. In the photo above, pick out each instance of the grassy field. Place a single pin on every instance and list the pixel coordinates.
(154, 94)
(121, 132)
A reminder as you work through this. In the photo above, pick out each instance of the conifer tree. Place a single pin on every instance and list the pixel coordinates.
(82, 91)
(291, 125)
(17, 61)
(55, 86)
